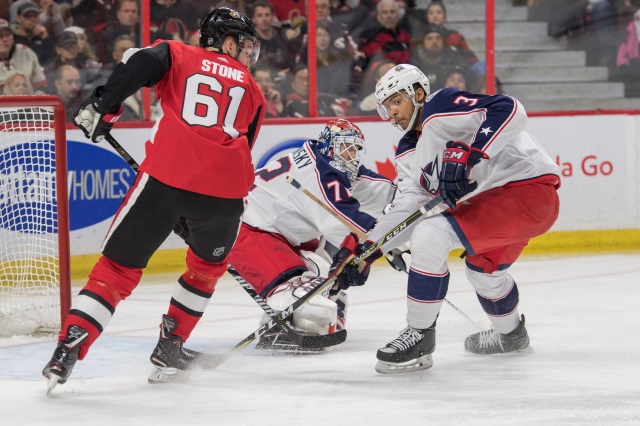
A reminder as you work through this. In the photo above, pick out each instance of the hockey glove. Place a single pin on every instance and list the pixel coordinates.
(352, 275)
(92, 118)
(457, 160)
(396, 257)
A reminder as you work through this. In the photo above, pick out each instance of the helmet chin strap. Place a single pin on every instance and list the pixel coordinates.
(410, 126)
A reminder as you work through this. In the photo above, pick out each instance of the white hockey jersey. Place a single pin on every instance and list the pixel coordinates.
(492, 124)
(276, 206)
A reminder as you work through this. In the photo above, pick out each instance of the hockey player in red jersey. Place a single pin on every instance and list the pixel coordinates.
(277, 250)
(500, 189)
(198, 167)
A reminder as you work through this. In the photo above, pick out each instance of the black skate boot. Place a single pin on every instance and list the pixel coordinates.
(491, 342)
(59, 368)
(169, 356)
(411, 351)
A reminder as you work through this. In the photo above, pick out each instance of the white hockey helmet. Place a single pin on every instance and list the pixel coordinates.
(338, 139)
(401, 78)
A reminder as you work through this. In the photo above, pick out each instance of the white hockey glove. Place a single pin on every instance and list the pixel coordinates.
(92, 118)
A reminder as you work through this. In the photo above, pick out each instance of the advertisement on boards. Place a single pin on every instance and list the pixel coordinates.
(598, 157)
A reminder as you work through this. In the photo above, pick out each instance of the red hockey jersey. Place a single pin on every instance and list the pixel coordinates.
(209, 113)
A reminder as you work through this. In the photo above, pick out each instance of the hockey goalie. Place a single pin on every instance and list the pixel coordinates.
(278, 250)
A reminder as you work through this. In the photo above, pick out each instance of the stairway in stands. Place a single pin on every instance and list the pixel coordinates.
(539, 70)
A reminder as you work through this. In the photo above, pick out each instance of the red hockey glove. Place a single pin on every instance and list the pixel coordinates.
(457, 160)
(348, 275)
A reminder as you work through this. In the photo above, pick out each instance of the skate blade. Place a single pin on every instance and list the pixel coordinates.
(423, 363)
(162, 375)
(52, 381)
(525, 351)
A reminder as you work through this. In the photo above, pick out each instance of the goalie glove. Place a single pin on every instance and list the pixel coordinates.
(92, 118)
(352, 275)
(457, 160)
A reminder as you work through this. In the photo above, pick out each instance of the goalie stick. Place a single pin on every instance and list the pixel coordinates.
(301, 340)
(211, 361)
(293, 182)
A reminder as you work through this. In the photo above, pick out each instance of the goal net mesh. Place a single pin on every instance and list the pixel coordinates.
(29, 258)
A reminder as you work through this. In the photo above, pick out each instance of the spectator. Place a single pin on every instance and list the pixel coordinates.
(85, 49)
(333, 64)
(368, 103)
(17, 84)
(602, 27)
(93, 14)
(385, 39)
(239, 5)
(298, 101)
(67, 86)
(564, 18)
(275, 49)
(28, 31)
(287, 12)
(341, 40)
(18, 57)
(127, 22)
(275, 106)
(67, 51)
(51, 17)
(182, 15)
(436, 14)
(628, 60)
(457, 78)
(132, 109)
(435, 59)
(121, 45)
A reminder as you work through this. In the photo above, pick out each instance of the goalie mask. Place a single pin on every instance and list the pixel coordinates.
(343, 141)
(223, 22)
(400, 79)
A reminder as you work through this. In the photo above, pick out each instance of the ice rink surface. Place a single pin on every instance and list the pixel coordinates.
(583, 318)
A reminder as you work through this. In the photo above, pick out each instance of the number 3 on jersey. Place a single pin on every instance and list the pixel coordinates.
(196, 102)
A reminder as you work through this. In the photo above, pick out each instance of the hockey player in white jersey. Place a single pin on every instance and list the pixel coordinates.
(276, 249)
(500, 189)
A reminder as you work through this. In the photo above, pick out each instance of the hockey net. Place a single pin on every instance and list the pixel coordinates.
(34, 227)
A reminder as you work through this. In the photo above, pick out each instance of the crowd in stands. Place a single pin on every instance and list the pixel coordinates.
(67, 48)
(607, 30)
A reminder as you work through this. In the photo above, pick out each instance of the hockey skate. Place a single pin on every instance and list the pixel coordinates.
(169, 356)
(491, 342)
(65, 356)
(411, 351)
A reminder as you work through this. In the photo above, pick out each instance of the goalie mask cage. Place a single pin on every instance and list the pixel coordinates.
(35, 281)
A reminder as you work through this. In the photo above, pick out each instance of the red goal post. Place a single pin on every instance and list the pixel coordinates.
(35, 279)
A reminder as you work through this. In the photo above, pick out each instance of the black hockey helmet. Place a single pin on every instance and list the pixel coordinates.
(223, 22)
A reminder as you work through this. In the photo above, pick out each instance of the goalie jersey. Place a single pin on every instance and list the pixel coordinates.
(276, 206)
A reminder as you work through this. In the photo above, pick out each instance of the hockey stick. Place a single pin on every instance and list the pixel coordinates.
(123, 153)
(209, 361)
(301, 340)
(292, 181)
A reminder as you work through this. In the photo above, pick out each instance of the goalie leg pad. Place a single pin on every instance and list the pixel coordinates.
(316, 316)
